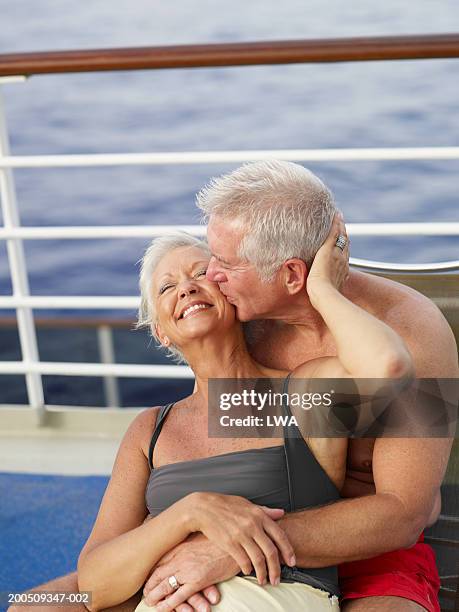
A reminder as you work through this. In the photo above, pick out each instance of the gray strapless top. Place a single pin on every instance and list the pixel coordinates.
(287, 476)
(258, 474)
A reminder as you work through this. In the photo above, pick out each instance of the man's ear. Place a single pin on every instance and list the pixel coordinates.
(295, 273)
(161, 336)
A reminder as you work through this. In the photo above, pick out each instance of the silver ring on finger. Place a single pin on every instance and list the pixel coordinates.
(173, 582)
(341, 242)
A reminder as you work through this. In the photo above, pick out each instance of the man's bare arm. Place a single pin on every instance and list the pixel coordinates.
(408, 472)
(354, 528)
(391, 519)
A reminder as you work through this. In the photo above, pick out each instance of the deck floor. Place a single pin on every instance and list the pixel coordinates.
(50, 490)
(45, 521)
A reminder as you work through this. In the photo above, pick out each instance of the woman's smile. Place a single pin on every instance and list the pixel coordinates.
(194, 309)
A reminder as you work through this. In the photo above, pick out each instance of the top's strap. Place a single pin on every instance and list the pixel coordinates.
(164, 411)
(286, 407)
(301, 461)
(287, 445)
(286, 382)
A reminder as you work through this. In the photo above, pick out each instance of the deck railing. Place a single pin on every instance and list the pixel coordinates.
(357, 49)
(16, 66)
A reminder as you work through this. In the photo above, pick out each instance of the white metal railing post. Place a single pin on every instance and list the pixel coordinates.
(19, 279)
(107, 355)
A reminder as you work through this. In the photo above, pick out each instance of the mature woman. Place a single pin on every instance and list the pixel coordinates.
(233, 491)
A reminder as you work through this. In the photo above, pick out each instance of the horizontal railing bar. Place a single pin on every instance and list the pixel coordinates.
(90, 232)
(441, 266)
(441, 541)
(219, 157)
(72, 322)
(114, 302)
(125, 323)
(13, 79)
(52, 302)
(447, 593)
(429, 228)
(445, 228)
(121, 370)
(402, 47)
(445, 519)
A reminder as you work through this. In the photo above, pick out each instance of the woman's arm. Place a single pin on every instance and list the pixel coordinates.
(366, 347)
(368, 353)
(117, 569)
(120, 550)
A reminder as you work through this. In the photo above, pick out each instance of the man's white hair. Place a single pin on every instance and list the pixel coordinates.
(158, 248)
(284, 210)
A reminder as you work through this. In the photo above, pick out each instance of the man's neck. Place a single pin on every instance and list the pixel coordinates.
(298, 311)
(304, 319)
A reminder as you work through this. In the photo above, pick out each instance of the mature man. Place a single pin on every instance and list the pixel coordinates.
(266, 216)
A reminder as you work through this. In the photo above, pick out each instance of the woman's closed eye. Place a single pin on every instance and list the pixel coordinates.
(169, 285)
(164, 288)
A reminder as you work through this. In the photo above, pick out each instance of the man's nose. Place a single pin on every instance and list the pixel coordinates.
(213, 273)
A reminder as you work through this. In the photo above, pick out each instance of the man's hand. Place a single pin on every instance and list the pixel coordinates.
(198, 565)
(248, 532)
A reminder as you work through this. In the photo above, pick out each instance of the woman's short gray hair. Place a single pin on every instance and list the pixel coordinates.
(285, 210)
(158, 248)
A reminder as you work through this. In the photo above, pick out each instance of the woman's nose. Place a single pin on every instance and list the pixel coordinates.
(187, 288)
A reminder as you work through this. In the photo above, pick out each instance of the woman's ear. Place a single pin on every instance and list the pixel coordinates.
(295, 274)
(161, 336)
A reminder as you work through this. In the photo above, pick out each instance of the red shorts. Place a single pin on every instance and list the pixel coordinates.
(410, 573)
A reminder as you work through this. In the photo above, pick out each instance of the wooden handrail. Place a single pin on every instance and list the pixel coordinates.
(233, 54)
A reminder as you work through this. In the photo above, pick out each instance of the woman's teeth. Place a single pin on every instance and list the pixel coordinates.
(193, 309)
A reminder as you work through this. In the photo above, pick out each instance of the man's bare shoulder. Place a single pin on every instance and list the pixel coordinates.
(382, 296)
(414, 316)
(410, 313)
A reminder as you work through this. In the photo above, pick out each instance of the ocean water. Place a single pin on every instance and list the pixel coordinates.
(374, 104)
